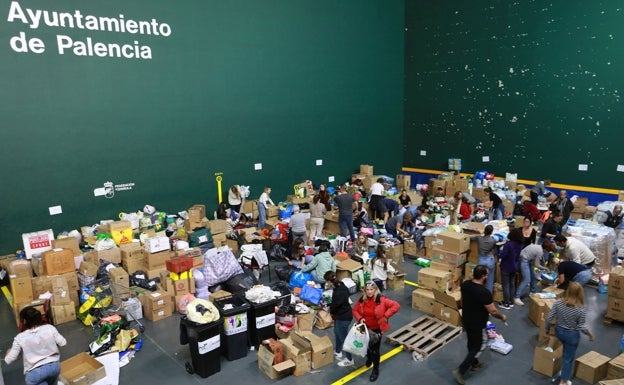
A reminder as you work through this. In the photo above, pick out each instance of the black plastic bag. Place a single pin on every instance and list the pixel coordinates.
(284, 271)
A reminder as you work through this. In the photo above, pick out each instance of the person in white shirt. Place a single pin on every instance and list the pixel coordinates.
(263, 203)
(380, 267)
(378, 208)
(38, 345)
(576, 251)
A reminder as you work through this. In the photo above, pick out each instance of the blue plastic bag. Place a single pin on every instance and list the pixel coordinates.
(299, 279)
(311, 294)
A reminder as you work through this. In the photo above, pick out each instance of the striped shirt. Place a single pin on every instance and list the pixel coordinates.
(568, 317)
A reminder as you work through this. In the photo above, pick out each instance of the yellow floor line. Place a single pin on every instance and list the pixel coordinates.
(411, 283)
(8, 295)
(363, 368)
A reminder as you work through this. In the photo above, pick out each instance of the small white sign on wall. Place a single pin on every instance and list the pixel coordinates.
(258, 166)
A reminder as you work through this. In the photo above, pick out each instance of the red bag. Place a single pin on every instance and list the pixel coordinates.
(179, 264)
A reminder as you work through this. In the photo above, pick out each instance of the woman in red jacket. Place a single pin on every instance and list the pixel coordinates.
(373, 310)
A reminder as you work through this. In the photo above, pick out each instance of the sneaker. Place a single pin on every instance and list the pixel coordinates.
(504, 305)
(510, 304)
(518, 302)
(338, 355)
(346, 362)
(458, 377)
(478, 366)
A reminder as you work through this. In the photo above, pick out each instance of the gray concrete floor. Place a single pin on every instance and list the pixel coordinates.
(162, 358)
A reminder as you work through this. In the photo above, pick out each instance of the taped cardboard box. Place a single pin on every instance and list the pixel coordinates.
(423, 299)
(395, 253)
(591, 367)
(615, 309)
(615, 368)
(70, 243)
(321, 347)
(434, 279)
(63, 313)
(346, 268)
(454, 242)
(58, 261)
(616, 282)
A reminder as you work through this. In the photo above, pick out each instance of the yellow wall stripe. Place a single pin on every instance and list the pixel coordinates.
(526, 181)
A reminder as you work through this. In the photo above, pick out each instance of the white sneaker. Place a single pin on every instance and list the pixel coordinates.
(338, 355)
(345, 362)
(518, 302)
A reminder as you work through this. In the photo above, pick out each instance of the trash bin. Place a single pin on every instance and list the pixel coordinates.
(234, 335)
(205, 343)
(262, 321)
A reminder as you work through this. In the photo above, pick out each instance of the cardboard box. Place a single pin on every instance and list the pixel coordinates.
(616, 282)
(63, 313)
(218, 226)
(615, 309)
(346, 268)
(322, 348)
(70, 243)
(434, 279)
(157, 244)
(615, 369)
(619, 381)
(396, 281)
(301, 356)
(448, 258)
(134, 262)
(539, 307)
(474, 227)
(410, 248)
(58, 261)
(423, 299)
(157, 260)
(219, 239)
(157, 305)
(81, 369)
(88, 269)
(196, 213)
(446, 307)
(60, 291)
(273, 371)
(434, 184)
(72, 285)
(403, 182)
(219, 294)
(542, 328)
(38, 242)
(453, 242)
(111, 255)
(366, 169)
(21, 289)
(545, 362)
(395, 253)
(120, 284)
(591, 367)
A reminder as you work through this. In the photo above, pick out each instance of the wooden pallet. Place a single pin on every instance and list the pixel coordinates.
(609, 321)
(425, 335)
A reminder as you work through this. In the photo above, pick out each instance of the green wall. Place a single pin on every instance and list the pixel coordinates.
(535, 86)
(282, 83)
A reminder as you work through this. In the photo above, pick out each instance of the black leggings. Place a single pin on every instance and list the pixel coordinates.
(373, 349)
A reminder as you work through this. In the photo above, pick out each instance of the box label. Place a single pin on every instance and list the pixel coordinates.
(209, 345)
(235, 324)
(265, 321)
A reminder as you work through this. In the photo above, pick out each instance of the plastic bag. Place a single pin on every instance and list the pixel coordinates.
(299, 279)
(284, 272)
(311, 294)
(201, 311)
(357, 340)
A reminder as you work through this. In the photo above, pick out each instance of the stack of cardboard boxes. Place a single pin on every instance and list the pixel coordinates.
(615, 289)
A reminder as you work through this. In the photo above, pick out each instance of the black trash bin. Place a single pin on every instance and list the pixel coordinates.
(262, 321)
(234, 335)
(205, 343)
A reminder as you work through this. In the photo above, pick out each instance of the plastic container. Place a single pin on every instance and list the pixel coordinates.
(262, 321)
(204, 341)
(234, 334)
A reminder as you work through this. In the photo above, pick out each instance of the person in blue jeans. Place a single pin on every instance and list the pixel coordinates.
(570, 271)
(340, 310)
(571, 322)
(532, 254)
(263, 202)
(487, 246)
(346, 204)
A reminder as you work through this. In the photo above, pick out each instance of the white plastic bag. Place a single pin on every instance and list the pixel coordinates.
(357, 340)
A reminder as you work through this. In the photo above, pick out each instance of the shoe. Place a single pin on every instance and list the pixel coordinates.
(369, 362)
(346, 362)
(458, 377)
(478, 366)
(338, 356)
(504, 305)
(518, 302)
(374, 375)
(510, 304)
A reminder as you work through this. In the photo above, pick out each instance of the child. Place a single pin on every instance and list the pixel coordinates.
(380, 267)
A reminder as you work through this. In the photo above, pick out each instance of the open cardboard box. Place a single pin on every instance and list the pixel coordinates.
(81, 369)
(548, 362)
